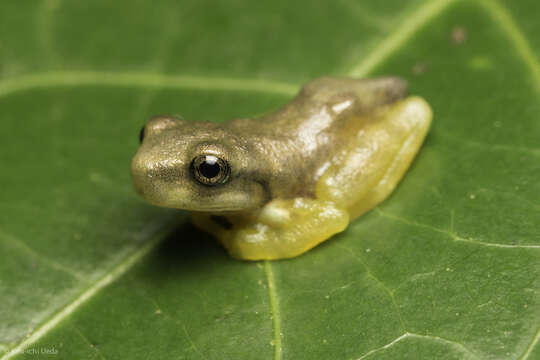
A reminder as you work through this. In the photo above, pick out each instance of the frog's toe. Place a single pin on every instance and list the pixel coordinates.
(275, 214)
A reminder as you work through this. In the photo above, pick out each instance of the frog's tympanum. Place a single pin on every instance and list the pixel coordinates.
(275, 186)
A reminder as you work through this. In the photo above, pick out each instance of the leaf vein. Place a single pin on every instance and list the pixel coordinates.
(51, 263)
(504, 19)
(139, 79)
(162, 55)
(44, 19)
(366, 16)
(453, 235)
(528, 351)
(87, 341)
(117, 271)
(400, 36)
(454, 344)
(192, 343)
(274, 310)
(386, 289)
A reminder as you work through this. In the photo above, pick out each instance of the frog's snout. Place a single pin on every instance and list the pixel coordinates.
(153, 179)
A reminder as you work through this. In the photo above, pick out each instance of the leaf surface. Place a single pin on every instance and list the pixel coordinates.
(448, 267)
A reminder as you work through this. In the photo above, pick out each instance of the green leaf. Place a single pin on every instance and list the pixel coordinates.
(447, 268)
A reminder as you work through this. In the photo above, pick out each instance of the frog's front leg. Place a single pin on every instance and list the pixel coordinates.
(281, 229)
(373, 162)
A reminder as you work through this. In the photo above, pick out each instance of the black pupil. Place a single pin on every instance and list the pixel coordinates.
(209, 169)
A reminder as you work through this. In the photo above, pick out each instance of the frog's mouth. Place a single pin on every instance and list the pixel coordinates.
(212, 199)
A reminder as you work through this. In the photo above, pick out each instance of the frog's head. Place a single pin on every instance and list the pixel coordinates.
(196, 166)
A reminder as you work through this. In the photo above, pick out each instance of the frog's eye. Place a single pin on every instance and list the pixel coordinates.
(210, 170)
(141, 134)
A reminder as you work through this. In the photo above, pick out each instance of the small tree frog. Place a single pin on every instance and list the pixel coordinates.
(275, 186)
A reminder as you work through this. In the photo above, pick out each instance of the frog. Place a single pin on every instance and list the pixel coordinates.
(276, 185)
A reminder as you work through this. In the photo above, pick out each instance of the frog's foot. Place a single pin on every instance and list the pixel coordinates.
(281, 229)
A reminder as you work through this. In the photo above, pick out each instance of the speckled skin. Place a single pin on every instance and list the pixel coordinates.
(298, 175)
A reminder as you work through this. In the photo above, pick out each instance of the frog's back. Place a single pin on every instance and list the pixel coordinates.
(359, 136)
(340, 138)
(328, 100)
(327, 114)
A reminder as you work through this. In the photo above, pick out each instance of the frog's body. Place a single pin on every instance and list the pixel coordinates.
(296, 176)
